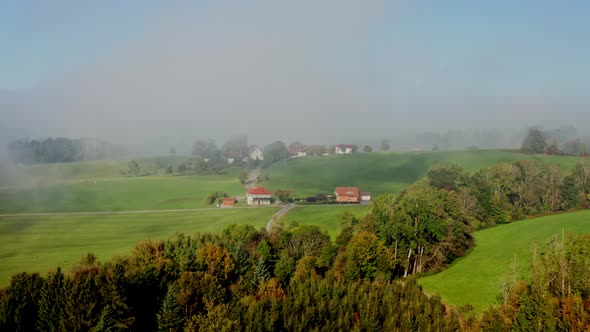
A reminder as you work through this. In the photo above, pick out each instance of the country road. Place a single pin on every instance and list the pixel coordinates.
(120, 212)
(278, 216)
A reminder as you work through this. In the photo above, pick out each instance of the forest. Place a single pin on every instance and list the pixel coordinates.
(296, 278)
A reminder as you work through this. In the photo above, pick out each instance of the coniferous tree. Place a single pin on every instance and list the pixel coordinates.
(52, 303)
(106, 321)
(19, 303)
(170, 317)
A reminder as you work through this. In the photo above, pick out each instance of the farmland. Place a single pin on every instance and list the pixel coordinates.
(474, 278)
(41, 243)
(383, 172)
(99, 186)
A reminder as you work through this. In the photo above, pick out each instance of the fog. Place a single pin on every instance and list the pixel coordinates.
(318, 72)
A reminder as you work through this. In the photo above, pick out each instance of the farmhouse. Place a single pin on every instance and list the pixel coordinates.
(255, 153)
(298, 151)
(343, 149)
(347, 194)
(258, 196)
(228, 202)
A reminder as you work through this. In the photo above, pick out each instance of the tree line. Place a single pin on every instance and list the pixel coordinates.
(240, 279)
(562, 141)
(56, 150)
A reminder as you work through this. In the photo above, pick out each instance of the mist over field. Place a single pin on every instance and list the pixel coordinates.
(335, 72)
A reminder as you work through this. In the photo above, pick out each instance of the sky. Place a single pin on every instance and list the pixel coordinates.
(175, 71)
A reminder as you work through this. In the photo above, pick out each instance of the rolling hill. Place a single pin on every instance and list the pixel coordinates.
(383, 172)
(474, 279)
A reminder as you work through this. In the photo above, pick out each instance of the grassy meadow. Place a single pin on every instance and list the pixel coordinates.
(474, 279)
(99, 186)
(41, 243)
(327, 217)
(383, 172)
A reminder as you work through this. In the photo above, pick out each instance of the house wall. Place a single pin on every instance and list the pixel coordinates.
(258, 200)
(346, 199)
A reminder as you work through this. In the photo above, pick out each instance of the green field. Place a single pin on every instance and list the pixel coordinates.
(98, 186)
(327, 217)
(41, 243)
(474, 278)
(383, 172)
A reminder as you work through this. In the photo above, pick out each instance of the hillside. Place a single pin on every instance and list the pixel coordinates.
(474, 278)
(383, 172)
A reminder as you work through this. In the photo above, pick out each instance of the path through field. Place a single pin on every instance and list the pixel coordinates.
(278, 216)
(253, 177)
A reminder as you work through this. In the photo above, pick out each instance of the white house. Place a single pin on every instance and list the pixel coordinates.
(258, 196)
(343, 149)
(298, 151)
(255, 153)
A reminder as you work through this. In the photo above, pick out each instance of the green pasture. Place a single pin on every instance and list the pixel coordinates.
(41, 243)
(327, 217)
(383, 172)
(98, 186)
(474, 279)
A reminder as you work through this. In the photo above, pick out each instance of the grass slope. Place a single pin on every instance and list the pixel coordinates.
(95, 186)
(383, 172)
(38, 244)
(474, 278)
(327, 217)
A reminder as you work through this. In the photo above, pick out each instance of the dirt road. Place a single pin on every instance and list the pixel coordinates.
(253, 178)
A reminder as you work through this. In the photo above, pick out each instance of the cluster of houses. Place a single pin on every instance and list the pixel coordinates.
(254, 153)
(260, 196)
(295, 151)
(300, 150)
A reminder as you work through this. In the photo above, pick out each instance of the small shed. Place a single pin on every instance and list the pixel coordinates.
(228, 202)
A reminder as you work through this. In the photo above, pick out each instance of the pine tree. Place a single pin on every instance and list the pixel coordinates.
(52, 311)
(106, 322)
(84, 301)
(261, 274)
(170, 317)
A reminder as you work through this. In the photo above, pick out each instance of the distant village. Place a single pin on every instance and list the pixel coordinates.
(295, 151)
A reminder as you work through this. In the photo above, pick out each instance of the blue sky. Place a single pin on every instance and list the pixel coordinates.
(84, 68)
(44, 40)
(537, 46)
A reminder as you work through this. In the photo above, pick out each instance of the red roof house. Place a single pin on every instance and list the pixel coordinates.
(258, 196)
(347, 194)
(258, 191)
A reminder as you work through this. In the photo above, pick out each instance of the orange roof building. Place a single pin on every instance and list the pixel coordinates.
(228, 202)
(347, 194)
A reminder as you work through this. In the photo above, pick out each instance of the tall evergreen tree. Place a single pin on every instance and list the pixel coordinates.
(52, 303)
(170, 317)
